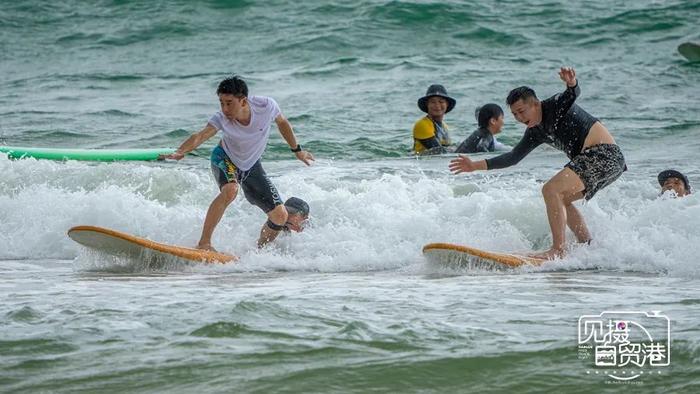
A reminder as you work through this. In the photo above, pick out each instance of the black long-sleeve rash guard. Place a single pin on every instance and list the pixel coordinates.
(564, 126)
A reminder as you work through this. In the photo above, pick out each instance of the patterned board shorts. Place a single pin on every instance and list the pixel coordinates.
(598, 166)
(257, 187)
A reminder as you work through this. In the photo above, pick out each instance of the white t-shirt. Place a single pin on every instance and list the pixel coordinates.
(245, 145)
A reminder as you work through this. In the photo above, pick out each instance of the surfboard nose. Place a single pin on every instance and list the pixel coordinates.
(451, 254)
(121, 244)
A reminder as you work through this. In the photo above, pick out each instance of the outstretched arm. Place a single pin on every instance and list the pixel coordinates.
(465, 164)
(191, 143)
(287, 132)
(526, 144)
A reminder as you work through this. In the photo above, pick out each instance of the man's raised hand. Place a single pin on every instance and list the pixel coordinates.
(568, 75)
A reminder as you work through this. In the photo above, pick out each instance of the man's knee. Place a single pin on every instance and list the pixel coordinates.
(550, 190)
(229, 192)
(571, 197)
(553, 189)
(278, 215)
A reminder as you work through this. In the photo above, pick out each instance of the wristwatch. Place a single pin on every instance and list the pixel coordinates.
(297, 149)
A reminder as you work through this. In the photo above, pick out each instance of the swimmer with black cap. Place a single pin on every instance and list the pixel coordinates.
(298, 214)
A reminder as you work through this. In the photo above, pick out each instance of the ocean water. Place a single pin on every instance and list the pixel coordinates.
(350, 304)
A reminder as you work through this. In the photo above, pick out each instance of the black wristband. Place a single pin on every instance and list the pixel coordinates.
(274, 226)
(297, 149)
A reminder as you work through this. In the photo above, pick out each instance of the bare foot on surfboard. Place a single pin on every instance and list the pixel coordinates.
(207, 247)
(550, 254)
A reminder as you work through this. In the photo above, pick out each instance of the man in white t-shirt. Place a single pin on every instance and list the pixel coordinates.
(245, 123)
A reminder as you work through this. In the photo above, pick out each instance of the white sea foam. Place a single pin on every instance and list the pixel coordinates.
(365, 217)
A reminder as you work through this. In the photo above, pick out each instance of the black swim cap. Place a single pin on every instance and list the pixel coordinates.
(488, 112)
(296, 205)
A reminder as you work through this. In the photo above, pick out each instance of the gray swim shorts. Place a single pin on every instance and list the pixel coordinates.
(257, 187)
(598, 166)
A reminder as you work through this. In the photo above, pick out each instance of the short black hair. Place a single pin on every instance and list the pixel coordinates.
(522, 93)
(233, 85)
(487, 112)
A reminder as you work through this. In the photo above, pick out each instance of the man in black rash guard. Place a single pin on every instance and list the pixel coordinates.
(596, 161)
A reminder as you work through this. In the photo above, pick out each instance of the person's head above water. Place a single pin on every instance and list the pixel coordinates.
(674, 180)
(490, 116)
(234, 86)
(525, 106)
(298, 213)
(233, 96)
(436, 102)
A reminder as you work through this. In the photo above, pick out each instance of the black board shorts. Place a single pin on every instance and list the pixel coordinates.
(598, 166)
(257, 187)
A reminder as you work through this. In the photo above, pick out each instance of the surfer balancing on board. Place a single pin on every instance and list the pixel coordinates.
(245, 122)
(595, 160)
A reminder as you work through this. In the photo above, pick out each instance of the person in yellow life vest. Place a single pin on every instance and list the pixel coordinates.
(430, 133)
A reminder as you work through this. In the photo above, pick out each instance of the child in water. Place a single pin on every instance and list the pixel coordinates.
(483, 139)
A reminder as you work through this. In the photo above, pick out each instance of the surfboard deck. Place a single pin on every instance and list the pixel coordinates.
(690, 51)
(18, 152)
(453, 254)
(122, 244)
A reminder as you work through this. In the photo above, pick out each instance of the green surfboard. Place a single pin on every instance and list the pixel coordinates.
(15, 152)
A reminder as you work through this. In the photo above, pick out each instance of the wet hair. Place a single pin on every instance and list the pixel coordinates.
(522, 93)
(296, 205)
(233, 85)
(486, 113)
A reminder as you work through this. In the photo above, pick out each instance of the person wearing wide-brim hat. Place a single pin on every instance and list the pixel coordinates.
(430, 133)
(674, 180)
